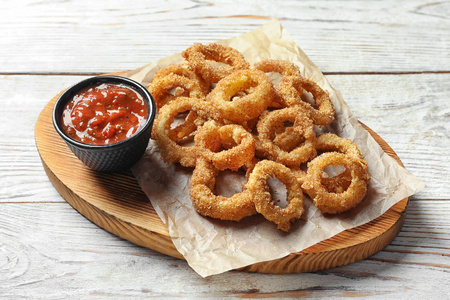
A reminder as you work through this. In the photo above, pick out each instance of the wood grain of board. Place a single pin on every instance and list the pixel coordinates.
(116, 203)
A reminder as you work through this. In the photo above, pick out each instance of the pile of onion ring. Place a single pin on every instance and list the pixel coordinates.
(216, 112)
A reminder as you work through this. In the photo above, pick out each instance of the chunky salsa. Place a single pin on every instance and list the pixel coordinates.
(103, 114)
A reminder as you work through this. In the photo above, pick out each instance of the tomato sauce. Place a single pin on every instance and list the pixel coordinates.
(103, 114)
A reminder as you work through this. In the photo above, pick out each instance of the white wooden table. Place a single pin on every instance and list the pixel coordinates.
(390, 60)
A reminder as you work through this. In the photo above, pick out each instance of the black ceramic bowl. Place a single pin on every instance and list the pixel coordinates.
(111, 157)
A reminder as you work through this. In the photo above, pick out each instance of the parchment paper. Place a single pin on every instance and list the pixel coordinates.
(212, 246)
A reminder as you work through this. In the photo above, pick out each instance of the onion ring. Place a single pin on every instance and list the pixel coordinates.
(183, 70)
(200, 58)
(161, 89)
(184, 129)
(247, 107)
(330, 202)
(331, 142)
(170, 151)
(338, 183)
(288, 139)
(291, 89)
(228, 146)
(302, 126)
(206, 203)
(164, 80)
(258, 187)
(281, 67)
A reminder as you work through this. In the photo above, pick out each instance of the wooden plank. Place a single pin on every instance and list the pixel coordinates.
(48, 245)
(21, 172)
(108, 36)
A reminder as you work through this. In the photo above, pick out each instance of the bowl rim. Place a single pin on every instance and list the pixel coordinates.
(71, 91)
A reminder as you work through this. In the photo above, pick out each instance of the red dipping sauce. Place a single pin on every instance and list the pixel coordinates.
(103, 114)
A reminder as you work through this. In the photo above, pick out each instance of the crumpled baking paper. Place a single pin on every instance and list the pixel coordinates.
(213, 246)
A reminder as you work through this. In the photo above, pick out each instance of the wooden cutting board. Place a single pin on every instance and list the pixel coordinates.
(116, 203)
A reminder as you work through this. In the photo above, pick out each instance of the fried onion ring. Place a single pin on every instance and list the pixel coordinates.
(258, 187)
(288, 139)
(331, 202)
(183, 70)
(338, 183)
(291, 89)
(327, 142)
(206, 203)
(205, 59)
(170, 151)
(331, 142)
(247, 107)
(228, 146)
(302, 126)
(184, 129)
(281, 67)
(170, 87)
